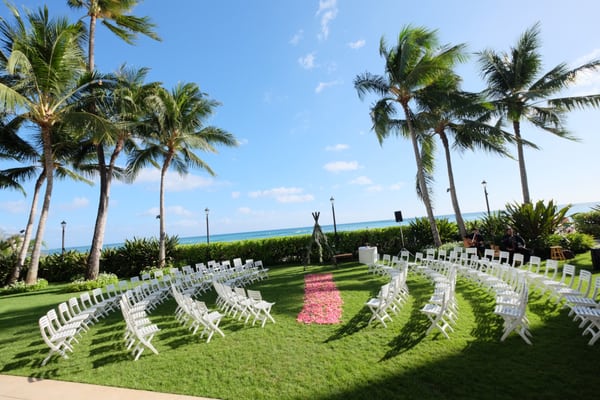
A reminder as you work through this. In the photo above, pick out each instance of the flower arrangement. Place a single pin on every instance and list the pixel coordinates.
(322, 300)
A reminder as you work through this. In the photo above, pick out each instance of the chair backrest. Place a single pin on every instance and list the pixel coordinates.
(568, 275)
(534, 264)
(518, 258)
(74, 306)
(430, 253)
(146, 276)
(404, 255)
(585, 278)
(237, 262)
(64, 313)
(596, 288)
(254, 294)
(97, 295)
(489, 254)
(134, 280)
(158, 273)
(111, 290)
(551, 267)
(504, 256)
(470, 251)
(86, 300)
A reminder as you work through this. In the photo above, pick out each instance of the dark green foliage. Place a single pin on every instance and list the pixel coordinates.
(80, 285)
(136, 255)
(22, 287)
(491, 226)
(576, 242)
(420, 237)
(8, 257)
(62, 267)
(535, 222)
(588, 222)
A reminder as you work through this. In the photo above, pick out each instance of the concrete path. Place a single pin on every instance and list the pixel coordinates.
(23, 388)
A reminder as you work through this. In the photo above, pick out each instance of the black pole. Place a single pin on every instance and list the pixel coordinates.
(206, 210)
(63, 224)
(485, 192)
(334, 224)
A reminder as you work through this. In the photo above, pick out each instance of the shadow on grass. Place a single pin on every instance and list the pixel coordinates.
(356, 324)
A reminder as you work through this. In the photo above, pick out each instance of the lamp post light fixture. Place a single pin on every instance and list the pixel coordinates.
(485, 192)
(335, 237)
(64, 225)
(206, 210)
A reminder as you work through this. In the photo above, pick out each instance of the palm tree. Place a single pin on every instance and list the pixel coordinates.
(114, 15)
(416, 63)
(466, 117)
(120, 110)
(519, 92)
(173, 130)
(44, 65)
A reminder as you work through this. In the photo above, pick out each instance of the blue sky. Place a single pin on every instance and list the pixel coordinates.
(284, 71)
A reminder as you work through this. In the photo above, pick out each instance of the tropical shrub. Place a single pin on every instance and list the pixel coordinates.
(420, 236)
(22, 287)
(8, 256)
(80, 284)
(491, 227)
(588, 222)
(136, 255)
(63, 267)
(535, 222)
(577, 242)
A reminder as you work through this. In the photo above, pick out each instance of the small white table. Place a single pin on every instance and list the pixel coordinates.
(367, 254)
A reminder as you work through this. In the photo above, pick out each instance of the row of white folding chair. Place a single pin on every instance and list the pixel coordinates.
(390, 298)
(587, 298)
(513, 310)
(509, 286)
(442, 308)
(247, 302)
(139, 330)
(58, 335)
(195, 314)
(378, 266)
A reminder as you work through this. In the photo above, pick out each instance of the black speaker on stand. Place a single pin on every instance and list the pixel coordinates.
(398, 216)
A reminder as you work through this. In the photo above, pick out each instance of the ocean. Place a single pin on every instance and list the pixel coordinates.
(307, 230)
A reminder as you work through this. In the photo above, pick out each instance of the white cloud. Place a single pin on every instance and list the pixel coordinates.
(284, 195)
(324, 85)
(173, 181)
(339, 166)
(337, 147)
(308, 61)
(375, 188)
(76, 203)
(361, 180)
(297, 37)
(13, 207)
(357, 45)
(235, 195)
(396, 186)
(328, 11)
(171, 210)
(245, 210)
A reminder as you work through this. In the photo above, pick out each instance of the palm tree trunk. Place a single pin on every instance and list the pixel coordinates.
(161, 242)
(93, 261)
(452, 186)
(92, 42)
(32, 273)
(421, 178)
(521, 157)
(28, 229)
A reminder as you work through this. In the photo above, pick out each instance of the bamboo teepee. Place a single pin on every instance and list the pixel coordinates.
(320, 240)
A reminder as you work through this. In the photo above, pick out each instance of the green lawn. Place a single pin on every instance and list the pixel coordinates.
(288, 360)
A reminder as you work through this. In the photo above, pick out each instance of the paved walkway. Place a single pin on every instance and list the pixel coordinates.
(23, 388)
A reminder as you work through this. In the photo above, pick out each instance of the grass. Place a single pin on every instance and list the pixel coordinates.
(351, 360)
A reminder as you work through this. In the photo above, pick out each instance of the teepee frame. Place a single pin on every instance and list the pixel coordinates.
(320, 240)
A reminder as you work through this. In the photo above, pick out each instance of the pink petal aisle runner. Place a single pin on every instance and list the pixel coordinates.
(322, 300)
